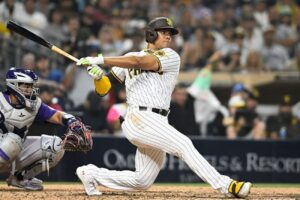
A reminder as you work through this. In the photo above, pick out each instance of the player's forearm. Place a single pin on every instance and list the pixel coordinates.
(136, 62)
(56, 118)
(62, 118)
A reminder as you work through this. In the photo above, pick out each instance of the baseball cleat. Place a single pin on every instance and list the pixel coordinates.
(33, 184)
(88, 183)
(239, 189)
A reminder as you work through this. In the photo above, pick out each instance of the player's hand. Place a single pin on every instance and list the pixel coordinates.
(78, 137)
(95, 71)
(99, 60)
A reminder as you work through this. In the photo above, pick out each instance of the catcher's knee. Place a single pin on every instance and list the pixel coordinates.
(10, 147)
(52, 149)
(42, 157)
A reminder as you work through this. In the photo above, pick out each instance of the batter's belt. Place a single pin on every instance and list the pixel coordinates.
(162, 112)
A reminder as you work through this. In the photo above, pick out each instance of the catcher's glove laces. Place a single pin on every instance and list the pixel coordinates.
(78, 137)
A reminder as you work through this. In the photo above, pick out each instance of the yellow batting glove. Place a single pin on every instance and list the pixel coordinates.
(95, 72)
(99, 60)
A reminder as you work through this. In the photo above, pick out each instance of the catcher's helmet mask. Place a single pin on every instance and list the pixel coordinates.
(17, 76)
(157, 24)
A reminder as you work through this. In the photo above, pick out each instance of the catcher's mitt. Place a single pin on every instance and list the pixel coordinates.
(78, 137)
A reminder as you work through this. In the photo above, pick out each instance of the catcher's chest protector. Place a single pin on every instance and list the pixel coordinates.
(17, 119)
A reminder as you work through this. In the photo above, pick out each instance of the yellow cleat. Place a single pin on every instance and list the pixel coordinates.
(239, 189)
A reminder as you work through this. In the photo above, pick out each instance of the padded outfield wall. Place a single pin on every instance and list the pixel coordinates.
(256, 161)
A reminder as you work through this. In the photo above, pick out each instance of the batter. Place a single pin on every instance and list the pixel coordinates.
(150, 77)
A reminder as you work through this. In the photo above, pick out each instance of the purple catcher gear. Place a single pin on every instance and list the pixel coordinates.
(17, 76)
(33, 184)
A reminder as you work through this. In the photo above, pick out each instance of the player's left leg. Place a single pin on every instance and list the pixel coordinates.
(10, 147)
(39, 154)
(148, 163)
(151, 129)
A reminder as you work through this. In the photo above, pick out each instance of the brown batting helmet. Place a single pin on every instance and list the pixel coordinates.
(157, 24)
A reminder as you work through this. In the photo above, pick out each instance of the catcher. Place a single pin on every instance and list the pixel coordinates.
(27, 156)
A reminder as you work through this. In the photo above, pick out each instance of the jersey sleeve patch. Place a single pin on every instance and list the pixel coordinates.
(159, 63)
(169, 60)
(116, 77)
(118, 73)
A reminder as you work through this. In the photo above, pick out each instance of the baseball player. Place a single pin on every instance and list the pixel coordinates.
(149, 76)
(27, 156)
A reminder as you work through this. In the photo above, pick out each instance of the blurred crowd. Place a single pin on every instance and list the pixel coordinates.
(252, 36)
(240, 119)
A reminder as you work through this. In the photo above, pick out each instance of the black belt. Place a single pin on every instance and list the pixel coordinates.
(162, 112)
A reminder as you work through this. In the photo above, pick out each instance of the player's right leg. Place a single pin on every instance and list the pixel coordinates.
(148, 163)
(38, 155)
(151, 129)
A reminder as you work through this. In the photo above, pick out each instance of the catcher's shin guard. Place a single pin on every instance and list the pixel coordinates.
(39, 156)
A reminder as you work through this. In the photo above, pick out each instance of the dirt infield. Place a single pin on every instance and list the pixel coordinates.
(75, 192)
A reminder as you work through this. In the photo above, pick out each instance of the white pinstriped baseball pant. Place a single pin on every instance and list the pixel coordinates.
(154, 137)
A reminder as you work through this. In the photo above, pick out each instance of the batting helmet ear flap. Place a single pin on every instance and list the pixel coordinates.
(151, 35)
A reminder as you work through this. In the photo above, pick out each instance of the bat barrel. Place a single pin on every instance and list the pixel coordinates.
(30, 35)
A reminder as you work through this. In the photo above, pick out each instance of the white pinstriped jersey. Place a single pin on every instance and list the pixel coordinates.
(151, 132)
(149, 88)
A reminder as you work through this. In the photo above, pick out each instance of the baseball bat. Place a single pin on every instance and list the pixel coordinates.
(30, 35)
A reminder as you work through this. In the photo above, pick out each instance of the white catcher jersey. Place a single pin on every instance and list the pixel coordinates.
(151, 88)
(17, 120)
